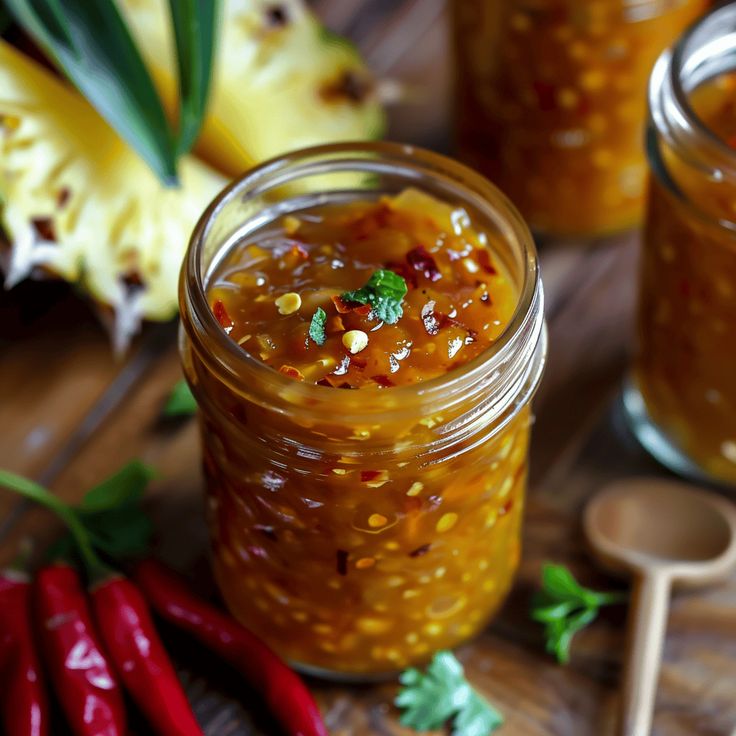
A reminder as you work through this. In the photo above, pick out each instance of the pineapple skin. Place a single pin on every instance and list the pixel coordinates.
(281, 81)
(76, 201)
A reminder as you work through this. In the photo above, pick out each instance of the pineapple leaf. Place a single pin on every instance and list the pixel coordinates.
(195, 23)
(90, 42)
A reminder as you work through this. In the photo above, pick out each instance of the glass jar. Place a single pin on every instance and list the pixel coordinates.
(551, 103)
(298, 473)
(682, 397)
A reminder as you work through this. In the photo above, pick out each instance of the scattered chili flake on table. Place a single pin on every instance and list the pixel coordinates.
(368, 294)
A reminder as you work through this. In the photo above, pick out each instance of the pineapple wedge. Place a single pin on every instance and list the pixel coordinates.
(75, 200)
(281, 81)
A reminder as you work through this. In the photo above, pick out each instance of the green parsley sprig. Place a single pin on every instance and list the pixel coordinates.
(384, 292)
(565, 607)
(442, 693)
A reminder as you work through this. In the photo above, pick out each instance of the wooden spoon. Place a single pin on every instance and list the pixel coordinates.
(662, 533)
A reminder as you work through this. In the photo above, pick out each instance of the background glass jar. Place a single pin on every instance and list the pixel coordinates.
(297, 474)
(551, 103)
(682, 400)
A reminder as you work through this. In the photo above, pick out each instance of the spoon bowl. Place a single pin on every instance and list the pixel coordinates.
(643, 523)
(662, 533)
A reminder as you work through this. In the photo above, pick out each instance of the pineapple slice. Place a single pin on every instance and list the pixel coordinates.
(281, 81)
(77, 201)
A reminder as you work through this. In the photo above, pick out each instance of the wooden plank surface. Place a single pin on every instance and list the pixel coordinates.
(71, 414)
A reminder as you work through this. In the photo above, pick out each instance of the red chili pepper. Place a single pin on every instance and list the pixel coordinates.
(23, 702)
(136, 650)
(83, 679)
(283, 690)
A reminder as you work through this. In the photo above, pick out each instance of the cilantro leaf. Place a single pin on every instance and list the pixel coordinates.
(384, 292)
(181, 401)
(317, 326)
(565, 607)
(431, 699)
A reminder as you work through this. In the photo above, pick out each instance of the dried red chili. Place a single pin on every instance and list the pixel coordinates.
(344, 307)
(484, 261)
(23, 705)
(83, 678)
(421, 260)
(283, 690)
(221, 315)
(144, 666)
(291, 372)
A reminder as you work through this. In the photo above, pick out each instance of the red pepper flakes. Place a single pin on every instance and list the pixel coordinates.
(506, 507)
(291, 372)
(221, 315)
(324, 382)
(342, 562)
(419, 551)
(345, 384)
(445, 320)
(344, 307)
(359, 363)
(368, 475)
(421, 260)
(484, 261)
(383, 381)
(298, 250)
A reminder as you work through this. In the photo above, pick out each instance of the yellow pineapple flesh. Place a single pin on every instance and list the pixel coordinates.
(77, 201)
(281, 81)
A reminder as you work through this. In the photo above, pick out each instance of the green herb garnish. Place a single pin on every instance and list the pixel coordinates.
(110, 515)
(317, 326)
(181, 401)
(384, 292)
(565, 607)
(442, 693)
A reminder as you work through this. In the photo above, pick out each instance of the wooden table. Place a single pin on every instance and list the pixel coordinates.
(70, 414)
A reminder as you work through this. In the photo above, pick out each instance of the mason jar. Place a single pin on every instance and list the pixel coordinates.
(296, 473)
(551, 103)
(682, 396)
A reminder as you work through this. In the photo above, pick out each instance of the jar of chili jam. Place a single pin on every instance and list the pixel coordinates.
(682, 400)
(363, 331)
(551, 103)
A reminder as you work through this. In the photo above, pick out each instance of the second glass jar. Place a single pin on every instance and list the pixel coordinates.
(551, 103)
(682, 397)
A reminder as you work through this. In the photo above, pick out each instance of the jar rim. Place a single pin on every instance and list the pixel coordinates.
(669, 101)
(234, 364)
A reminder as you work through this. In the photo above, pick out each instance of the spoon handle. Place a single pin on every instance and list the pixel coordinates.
(648, 622)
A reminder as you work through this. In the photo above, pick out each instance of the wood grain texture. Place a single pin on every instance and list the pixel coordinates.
(69, 415)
